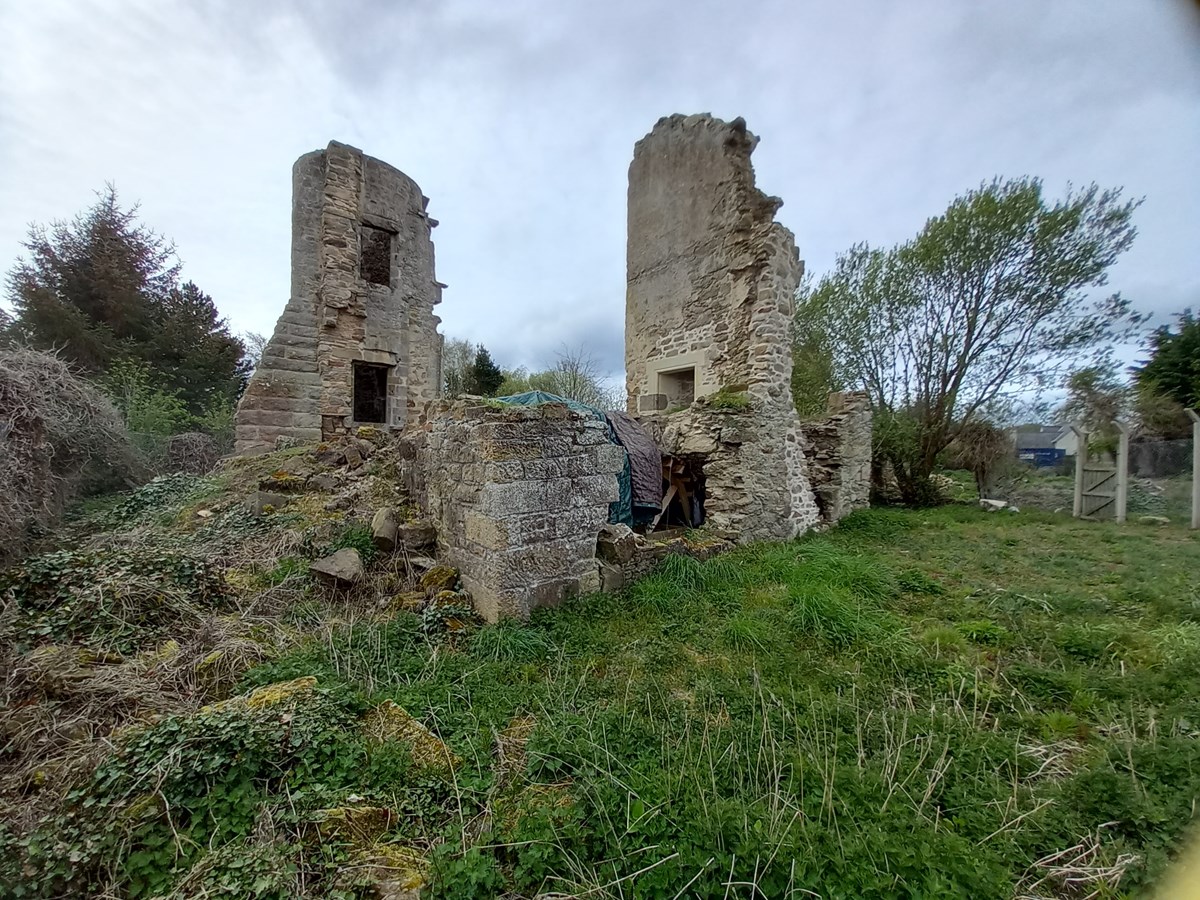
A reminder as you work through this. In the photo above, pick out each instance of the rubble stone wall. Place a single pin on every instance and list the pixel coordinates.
(363, 290)
(711, 285)
(839, 456)
(518, 496)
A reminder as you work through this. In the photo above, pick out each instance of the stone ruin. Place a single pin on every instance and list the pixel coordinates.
(357, 342)
(520, 496)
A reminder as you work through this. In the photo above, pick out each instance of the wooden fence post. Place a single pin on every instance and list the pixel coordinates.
(1081, 439)
(1195, 467)
(1122, 472)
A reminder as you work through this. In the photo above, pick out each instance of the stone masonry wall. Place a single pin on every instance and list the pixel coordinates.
(711, 285)
(519, 496)
(363, 289)
(839, 456)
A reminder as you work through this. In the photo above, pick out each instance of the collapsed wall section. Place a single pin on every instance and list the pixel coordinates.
(710, 293)
(357, 342)
(839, 455)
(519, 496)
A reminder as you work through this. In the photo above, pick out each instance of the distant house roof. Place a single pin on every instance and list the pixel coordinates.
(1036, 437)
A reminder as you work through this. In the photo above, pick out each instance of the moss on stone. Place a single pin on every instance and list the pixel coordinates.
(359, 825)
(279, 693)
(390, 722)
(440, 578)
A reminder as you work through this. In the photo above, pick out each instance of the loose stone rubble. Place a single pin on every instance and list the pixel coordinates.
(514, 502)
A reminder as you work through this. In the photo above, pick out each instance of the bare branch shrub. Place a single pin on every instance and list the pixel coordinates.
(57, 431)
(985, 450)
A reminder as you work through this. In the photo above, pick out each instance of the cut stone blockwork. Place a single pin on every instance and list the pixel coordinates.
(358, 340)
(839, 456)
(519, 496)
(709, 305)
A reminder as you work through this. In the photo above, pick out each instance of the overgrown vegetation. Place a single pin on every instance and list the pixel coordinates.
(58, 435)
(915, 704)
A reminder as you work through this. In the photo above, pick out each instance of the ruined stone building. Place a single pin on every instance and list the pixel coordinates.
(357, 342)
(519, 496)
(710, 298)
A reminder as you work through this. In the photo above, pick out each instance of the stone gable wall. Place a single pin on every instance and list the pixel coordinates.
(711, 284)
(342, 201)
(518, 496)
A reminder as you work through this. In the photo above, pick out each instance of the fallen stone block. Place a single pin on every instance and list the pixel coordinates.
(1154, 520)
(439, 578)
(616, 544)
(992, 505)
(342, 569)
(416, 536)
(390, 722)
(262, 502)
(383, 529)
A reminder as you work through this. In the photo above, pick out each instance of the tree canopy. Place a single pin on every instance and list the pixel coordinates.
(103, 287)
(1173, 369)
(989, 301)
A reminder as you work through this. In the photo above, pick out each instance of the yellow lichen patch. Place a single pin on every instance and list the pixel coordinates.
(440, 578)
(408, 601)
(389, 722)
(283, 691)
(147, 806)
(361, 825)
(281, 481)
(168, 651)
(245, 582)
(270, 695)
(398, 872)
(311, 507)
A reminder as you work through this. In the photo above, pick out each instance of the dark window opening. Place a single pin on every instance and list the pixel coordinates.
(375, 259)
(678, 386)
(370, 392)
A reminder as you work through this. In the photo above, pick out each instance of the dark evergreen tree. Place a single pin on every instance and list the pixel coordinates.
(1173, 369)
(485, 376)
(103, 287)
(195, 352)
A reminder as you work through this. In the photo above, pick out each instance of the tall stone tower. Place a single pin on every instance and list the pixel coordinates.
(710, 294)
(358, 340)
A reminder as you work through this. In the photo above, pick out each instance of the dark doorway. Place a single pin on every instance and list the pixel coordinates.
(370, 392)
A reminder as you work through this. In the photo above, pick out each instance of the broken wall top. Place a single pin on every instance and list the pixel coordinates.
(711, 276)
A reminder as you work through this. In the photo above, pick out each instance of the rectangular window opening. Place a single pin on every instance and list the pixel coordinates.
(375, 256)
(678, 386)
(370, 392)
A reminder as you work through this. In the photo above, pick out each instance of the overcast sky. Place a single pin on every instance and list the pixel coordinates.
(518, 120)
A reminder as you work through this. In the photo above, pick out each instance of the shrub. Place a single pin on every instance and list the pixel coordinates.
(60, 436)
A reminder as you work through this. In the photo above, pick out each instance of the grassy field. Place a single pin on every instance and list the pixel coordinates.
(916, 704)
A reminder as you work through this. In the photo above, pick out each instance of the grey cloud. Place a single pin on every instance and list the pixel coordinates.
(518, 120)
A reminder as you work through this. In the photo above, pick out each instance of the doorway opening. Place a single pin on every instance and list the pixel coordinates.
(370, 392)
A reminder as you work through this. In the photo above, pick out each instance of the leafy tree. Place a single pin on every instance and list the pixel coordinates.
(485, 376)
(989, 301)
(458, 356)
(1173, 369)
(1097, 399)
(104, 287)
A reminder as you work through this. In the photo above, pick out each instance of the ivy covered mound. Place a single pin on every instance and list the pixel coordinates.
(935, 703)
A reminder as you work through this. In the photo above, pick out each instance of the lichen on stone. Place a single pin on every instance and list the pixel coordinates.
(390, 722)
(440, 578)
